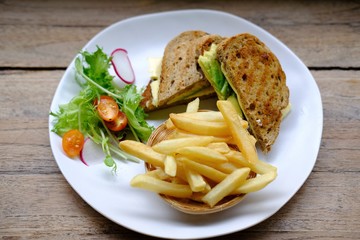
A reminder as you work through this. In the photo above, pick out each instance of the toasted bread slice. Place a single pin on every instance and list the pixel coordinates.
(256, 76)
(181, 78)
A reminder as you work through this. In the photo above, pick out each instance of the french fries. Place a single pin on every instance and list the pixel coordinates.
(205, 170)
(241, 136)
(162, 187)
(193, 106)
(171, 145)
(256, 184)
(202, 154)
(210, 116)
(143, 152)
(195, 180)
(199, 160)
(170, 165)
(177, 133)
(200, 127)
(225, 187)
(260, 167)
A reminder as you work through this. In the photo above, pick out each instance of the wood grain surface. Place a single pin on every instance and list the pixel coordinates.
(38, 39)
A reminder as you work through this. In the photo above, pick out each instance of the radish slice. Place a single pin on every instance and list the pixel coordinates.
(91, 153)
(122, 65)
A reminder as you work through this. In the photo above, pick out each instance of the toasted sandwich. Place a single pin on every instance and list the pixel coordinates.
(181, 78)
(244, 68)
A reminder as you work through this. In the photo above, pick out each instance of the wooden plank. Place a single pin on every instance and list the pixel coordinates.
(341, 103)
(27, 94)
(34, 32)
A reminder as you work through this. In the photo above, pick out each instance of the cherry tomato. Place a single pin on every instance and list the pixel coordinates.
(119, 122)
(107, 108)
(73, 142)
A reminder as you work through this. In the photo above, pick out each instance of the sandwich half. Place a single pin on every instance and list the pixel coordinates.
(181, 79)
(244, 68)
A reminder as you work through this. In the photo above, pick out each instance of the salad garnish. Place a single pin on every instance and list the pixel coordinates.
(81, 113)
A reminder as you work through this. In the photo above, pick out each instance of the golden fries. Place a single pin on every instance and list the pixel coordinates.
(225, 187)
(210, 116)
(198, 159)
(170, 165)
(259, 167)
(221, 147)
(256, 184)
(143, 152)
(241, 136)
(171, 145)
(178, 133)
(202, 154)
(193, 106)
(205, 170)
(156, 185)
(195, 180)
(200, 127)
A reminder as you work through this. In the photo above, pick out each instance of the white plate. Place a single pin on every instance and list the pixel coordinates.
(294, 153)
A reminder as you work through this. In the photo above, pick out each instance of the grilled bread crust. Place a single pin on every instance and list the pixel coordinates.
(255, 74)
(180, 73)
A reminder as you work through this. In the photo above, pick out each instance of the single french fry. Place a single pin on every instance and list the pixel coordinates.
(193, 106)
(201, 127)
(240, 135)
(206, 171)
(195, 180)
(260, 167)
(163, 187)
(211, 116)
(170, 146)
(221, 147)
(202, 154)
(180, 171)
(143, 151)
(170, 165)
(178, 133)
(256, 184)
(227, 186)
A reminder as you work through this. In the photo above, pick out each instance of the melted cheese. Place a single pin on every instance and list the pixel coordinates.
(155, 70)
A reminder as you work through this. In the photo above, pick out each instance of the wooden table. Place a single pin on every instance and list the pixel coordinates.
(38, 39)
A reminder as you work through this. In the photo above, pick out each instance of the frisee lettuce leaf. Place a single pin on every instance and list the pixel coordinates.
(79, 113)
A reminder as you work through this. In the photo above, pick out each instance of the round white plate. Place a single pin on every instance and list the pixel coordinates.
(294, 153)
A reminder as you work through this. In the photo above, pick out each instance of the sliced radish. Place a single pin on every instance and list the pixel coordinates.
(91, 153)
(122, 65)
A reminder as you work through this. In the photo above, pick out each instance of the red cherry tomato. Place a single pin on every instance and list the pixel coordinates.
(107, 108)
(73, 142)
(119, 122)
